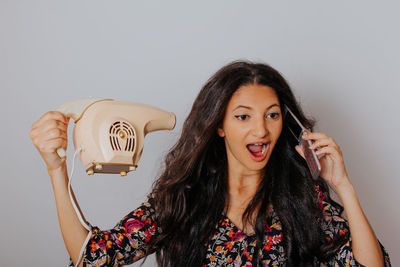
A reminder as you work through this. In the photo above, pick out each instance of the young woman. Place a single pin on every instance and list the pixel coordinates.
(235, 191)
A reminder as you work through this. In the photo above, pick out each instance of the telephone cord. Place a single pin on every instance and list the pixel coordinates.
(77, 211)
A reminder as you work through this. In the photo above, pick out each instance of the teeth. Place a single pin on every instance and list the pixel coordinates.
(264, 146)
(263, 149)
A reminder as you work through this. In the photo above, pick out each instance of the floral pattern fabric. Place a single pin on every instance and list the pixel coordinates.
(228, 246)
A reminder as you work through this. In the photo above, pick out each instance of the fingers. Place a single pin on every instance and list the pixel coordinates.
(319, 139)
(50, 146)
(51, 115)
(331, 151)
(50, 120)
(314, 136)
(50, 132)
(50, 141)
(322, 143)
(52, 128)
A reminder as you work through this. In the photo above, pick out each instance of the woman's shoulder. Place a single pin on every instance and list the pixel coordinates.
(143, 215)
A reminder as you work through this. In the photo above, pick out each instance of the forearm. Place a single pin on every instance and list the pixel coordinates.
(73, 232)
(365, 246)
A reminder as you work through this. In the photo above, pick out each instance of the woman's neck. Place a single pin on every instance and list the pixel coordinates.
(242, 189)
(243, 185)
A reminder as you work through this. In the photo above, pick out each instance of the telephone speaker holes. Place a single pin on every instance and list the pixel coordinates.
(122, 136)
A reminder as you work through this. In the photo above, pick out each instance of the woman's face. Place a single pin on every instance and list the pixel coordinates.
(251, 127)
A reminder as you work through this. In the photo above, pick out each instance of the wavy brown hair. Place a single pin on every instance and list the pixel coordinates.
(191, 195)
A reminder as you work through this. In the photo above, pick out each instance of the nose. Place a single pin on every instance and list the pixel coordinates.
(260, 129)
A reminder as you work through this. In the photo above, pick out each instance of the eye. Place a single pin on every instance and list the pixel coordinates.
(241, 117)
(273, 115)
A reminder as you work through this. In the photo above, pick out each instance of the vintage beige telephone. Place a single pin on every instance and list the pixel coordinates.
(109, 137)
(111, 133)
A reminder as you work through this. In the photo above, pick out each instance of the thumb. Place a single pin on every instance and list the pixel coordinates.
(300, 150)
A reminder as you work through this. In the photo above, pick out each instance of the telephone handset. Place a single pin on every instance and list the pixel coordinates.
(111, 133)
(297, 130)
(109, 137)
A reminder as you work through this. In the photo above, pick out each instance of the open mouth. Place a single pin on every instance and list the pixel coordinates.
(258, 151)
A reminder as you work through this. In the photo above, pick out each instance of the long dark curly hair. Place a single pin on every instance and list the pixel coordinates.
(191, 195)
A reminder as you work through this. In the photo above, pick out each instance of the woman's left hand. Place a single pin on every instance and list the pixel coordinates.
(331, 158)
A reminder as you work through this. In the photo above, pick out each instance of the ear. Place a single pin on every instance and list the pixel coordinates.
(221, 132)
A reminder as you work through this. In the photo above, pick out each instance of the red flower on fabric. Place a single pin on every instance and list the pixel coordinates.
(229, 245)
(225, 222)
(119, 238)
(93, 246)
(132, 225)
(343, 232)
(270, 242)
(278, 238)
(138, 212)
(230, 233)
(102, 244)
(148, 235)
(237, 236)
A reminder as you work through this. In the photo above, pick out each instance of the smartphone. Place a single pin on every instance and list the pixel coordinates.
(297, 130)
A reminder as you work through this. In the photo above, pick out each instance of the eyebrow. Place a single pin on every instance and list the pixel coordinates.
(247, 107)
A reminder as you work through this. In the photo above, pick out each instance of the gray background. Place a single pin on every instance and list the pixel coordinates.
(341, 58)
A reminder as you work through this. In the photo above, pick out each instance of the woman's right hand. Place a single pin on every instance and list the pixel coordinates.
(48, 134)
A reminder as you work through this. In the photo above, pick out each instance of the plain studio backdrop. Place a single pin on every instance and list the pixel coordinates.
(340, 57)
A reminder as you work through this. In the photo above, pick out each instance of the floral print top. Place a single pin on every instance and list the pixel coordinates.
(228, 246)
